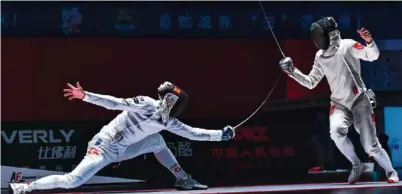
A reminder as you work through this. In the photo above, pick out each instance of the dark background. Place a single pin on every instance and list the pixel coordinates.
(227, 70)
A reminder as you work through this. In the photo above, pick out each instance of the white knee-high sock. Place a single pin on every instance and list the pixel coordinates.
(167, 159)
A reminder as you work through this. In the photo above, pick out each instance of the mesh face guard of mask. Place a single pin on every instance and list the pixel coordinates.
(320, 30)
(173, 100)
(167, 104)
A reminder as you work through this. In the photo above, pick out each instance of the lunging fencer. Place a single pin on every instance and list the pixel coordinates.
(133, 132)
(351, 102)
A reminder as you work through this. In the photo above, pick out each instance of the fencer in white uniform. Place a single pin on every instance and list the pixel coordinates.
(351, 102)
(133, 132)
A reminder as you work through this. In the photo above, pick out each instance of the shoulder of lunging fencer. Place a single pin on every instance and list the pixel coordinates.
(318, 54)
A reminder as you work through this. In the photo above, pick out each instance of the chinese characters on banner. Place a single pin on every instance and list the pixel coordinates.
(179, 149)
(164, 21)
(56, 152)
(186, 21)
(132, 20)
(136, 19)
(256, 152)
(252, 143)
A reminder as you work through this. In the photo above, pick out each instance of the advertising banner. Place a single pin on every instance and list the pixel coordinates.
(45, 146)
(393, 126)
(195, 19)
(263, 151)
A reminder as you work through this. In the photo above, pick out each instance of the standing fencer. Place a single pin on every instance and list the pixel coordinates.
(351, 102)
(133, 132)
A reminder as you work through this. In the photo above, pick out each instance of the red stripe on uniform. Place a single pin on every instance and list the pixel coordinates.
(331, 109)
(373, 119)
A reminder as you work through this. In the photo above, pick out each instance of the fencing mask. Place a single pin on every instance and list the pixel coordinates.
(173, 100)
(320, 32)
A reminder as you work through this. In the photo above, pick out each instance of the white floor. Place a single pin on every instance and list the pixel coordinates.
(270, 188)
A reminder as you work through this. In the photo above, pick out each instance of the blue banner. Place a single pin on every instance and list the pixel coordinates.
(194, 19)
(392, 119)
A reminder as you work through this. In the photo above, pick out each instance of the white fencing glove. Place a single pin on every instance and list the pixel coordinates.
(286, 65)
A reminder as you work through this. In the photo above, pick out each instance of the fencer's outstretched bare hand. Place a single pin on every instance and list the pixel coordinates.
(366, 35)
(74, 92)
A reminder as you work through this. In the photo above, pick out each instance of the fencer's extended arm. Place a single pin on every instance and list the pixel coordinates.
(197, 134)
(113, 103)
(311, 80)
(367, 53)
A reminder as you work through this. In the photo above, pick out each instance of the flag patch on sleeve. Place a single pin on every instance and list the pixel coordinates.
(358, 46)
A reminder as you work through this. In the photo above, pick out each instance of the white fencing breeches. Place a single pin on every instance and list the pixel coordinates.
(100, 153)
(362, 117)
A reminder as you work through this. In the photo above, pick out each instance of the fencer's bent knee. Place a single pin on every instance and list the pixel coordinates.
(157, 143)
(372, 148)
(338, 130)
(337, 135)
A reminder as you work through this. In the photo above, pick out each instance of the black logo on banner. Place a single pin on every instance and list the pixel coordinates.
(17, 177)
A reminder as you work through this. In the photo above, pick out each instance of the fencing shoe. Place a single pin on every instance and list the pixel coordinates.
(393, 177)
(17, 188)
(189, 184)
(356, 173)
